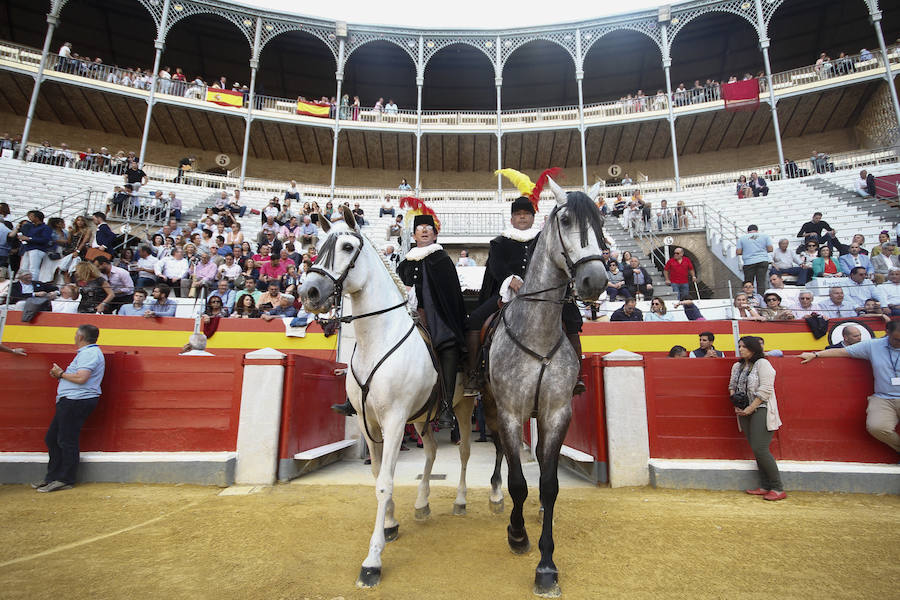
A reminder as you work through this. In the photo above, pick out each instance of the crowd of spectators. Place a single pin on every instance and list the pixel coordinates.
(639, 215)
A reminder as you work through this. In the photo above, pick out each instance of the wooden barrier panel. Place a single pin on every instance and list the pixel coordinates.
(307, 421)
(149, 403)
(822, 406)
(587, 430)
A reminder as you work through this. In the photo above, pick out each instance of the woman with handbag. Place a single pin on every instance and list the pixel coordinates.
(96, 293)
(752, 392)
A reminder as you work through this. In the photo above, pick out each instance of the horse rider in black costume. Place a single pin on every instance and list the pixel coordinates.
(430, 271)
(504, 276)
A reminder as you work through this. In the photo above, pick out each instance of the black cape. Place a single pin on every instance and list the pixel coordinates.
(506, 257)
(438, 294)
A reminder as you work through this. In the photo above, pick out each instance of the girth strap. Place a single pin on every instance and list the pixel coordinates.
(545, 360)
(364, 387)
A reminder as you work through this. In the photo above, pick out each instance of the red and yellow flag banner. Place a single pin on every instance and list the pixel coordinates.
(313, 109)
(224, 97)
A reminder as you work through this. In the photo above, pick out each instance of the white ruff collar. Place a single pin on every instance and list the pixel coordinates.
(420, 253)
(517, 235)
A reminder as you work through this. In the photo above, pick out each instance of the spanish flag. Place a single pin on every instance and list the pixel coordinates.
(313, 109)
(224, 97)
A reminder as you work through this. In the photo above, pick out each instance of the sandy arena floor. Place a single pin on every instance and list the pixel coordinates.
(307, 541)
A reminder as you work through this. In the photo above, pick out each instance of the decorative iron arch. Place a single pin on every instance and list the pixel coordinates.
(179, 10)
(271, 29)
(434, 45)
(741, 8)
(591, 36)
(356, 40)
(154, 7)
(508, 45)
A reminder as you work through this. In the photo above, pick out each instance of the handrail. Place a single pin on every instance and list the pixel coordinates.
(849, 66)
(837, 162)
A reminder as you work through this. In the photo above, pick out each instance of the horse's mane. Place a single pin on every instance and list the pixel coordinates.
(586, 214)
(394, 277)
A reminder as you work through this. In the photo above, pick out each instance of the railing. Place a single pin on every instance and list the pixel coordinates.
(83, 202)
(473, 224)
(139, 210)
(322, 193)
(657, 104)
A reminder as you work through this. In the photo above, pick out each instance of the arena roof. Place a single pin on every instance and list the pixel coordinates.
(462, 14)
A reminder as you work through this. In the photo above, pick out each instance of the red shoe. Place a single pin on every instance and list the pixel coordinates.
(757, 492)
(773, 495)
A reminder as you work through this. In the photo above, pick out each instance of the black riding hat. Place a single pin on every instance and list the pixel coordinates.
(521, 203)
(424, 220)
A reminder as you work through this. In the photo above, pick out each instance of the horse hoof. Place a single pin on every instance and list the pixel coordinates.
(369, 577)
(423, 513)
(518, 545)
(547, 591)
(459, 509)
(497, 507)
(391, 533)
(546, 584)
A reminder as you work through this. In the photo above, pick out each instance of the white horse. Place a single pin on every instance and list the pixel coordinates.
(393, 379)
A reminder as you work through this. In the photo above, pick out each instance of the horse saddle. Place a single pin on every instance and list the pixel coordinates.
(430, 408)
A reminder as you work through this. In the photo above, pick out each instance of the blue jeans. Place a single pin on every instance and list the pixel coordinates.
(682, 290)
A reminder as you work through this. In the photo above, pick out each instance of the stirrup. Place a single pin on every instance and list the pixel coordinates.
(345, 408)
(446, 419)
(579, 387)
(473, 384)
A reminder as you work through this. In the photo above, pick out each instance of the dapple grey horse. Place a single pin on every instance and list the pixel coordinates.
(532, 368)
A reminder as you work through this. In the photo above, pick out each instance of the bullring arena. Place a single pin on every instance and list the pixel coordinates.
(214, 465)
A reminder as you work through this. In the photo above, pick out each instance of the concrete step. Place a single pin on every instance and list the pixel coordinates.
(874, 208)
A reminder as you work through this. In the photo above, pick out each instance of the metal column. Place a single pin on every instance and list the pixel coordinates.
(667, 67)
(159, 44)
(579, 76)
(764, 46)
(498, 81)
(52, 20)
(420, 81)
(339, 75)
(254, 65)
(888, 72)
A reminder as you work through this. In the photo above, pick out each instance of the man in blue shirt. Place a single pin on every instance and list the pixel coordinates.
(859, 289)
(137, 307)
(883, 411)
(754, 248)
(853, 258)
(76, 398)
(162, 305)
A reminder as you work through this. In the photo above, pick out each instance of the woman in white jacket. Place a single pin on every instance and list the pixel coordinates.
(754, 376)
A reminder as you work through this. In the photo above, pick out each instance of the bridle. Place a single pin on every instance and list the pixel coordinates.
(571, 266)
(328, 253)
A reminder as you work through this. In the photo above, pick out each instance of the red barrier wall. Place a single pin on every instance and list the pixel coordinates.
(149, 403)
(822, 406)
(587, 430)
(310, 388)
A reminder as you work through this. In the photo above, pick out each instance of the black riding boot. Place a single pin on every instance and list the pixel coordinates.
(576, 344)
(449, 359)
(473, 343)
(345, 408)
